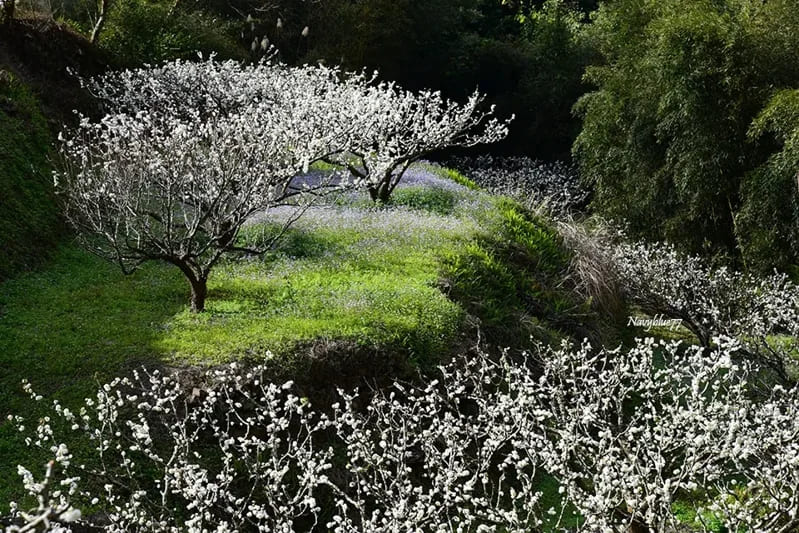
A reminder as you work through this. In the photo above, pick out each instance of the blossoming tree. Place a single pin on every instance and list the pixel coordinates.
(762, 312)
(399, 127)
(151, 187)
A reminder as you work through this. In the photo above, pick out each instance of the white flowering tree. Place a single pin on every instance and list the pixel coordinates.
(238, 456)
(191, 151)
(207, 86)
(399, 127)
(149, 187)
(762, 312)
(536, 184)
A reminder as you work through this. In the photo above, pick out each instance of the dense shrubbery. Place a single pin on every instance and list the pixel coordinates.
(768, 221)
(666, 137)
(626, 434)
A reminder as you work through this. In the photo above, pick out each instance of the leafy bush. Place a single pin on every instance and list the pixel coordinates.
(664, 139)
(153, 31)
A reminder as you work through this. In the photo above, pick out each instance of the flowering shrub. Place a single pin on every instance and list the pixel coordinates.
(763, 312)
(531, 182)
(625, 433)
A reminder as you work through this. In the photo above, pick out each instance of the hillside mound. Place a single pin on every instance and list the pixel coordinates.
(39, 89)
(47, 57)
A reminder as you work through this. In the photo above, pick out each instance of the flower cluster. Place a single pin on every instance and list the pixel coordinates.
(625, 434)
(555, 185)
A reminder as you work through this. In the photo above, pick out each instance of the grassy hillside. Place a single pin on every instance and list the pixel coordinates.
(39, 91)
(29, 224)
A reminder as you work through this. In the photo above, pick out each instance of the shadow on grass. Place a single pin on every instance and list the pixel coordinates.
(76, 324)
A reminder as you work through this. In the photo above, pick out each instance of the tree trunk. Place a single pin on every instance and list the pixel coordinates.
(98, 26)
(199, 290)
(380, 193)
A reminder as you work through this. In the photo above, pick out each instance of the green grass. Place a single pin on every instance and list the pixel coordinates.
(82, 316)
(385, 298)
(431, 199)
(29, 224)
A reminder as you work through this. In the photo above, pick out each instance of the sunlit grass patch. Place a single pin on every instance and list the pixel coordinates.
(280, 310)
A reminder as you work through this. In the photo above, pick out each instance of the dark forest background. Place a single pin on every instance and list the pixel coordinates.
(682, 115)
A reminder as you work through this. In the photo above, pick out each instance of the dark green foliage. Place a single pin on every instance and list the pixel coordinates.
(152, 31)
(513, 280)
(664, 139)
(29, 223)
(768, 222)
(556, 55)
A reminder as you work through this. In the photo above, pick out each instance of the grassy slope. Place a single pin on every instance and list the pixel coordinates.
(29, 225)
